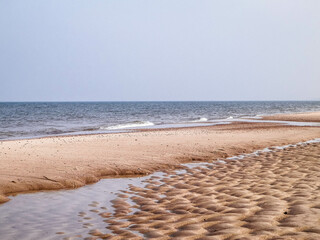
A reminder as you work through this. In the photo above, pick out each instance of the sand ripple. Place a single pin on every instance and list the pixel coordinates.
(274, 195)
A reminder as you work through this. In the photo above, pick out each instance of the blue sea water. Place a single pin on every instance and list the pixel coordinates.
(25, 120)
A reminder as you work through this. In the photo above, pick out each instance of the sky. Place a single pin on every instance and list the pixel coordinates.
(159, 50)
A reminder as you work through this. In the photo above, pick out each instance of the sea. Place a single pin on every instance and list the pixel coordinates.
(19, 120)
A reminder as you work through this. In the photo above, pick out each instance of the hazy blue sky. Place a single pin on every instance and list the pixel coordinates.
(63, 50)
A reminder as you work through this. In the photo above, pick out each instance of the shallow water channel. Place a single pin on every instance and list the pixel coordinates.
(57, 214)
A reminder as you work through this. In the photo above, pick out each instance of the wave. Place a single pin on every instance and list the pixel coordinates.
(203, 119)
(51, 131)
(252, 117)
(129, 125)
(57, 131)
(230, 117)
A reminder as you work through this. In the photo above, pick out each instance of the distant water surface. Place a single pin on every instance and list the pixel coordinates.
(25, 120)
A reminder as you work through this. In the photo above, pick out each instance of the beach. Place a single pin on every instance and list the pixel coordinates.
(62, 162)
(300, 117)
(191, 120)
(243, 180)
(272, 195)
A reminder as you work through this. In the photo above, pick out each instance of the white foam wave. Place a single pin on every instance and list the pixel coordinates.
(230, 117)
(252, 117)
(203, 119)
(129, 125)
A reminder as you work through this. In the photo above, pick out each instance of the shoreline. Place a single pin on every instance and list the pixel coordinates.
(299, 117)
(63, 162)
(308, 116)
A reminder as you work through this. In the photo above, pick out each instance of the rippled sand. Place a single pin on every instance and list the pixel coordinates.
(274, 195)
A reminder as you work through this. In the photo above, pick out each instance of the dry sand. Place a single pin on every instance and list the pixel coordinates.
(275, 195)
(73, 161)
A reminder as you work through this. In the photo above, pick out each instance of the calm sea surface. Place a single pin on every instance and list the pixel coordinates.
(25, 120)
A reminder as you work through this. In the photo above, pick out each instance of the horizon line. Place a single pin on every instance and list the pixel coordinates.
(127, 101)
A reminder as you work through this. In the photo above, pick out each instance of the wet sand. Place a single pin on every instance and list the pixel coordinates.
(299, 117)
(272, 195)
(73, 161)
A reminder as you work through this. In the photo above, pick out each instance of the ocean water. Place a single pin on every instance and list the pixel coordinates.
(27, 120)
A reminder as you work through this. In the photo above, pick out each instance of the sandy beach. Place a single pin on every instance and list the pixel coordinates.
(73, 161)
(299, 117)
(273, 195)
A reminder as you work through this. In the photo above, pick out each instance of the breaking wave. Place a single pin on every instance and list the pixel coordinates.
(201, 120)
(129, 125)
